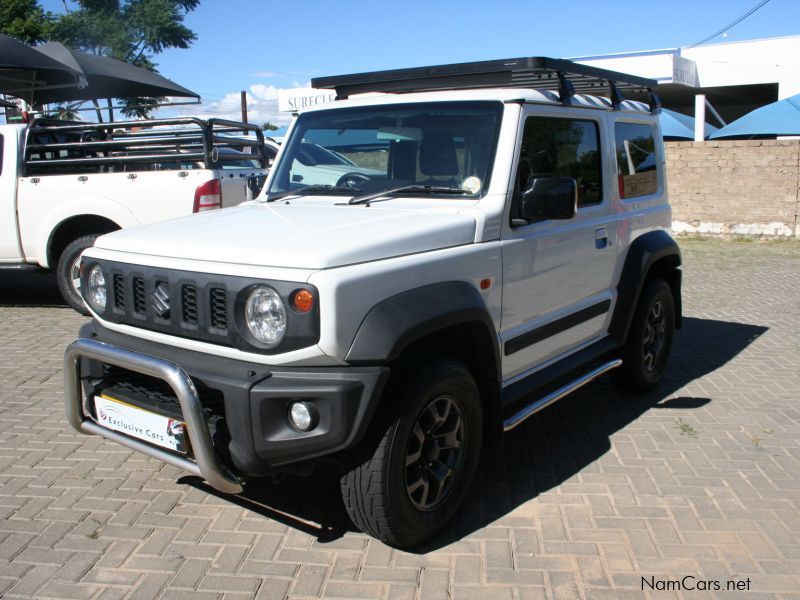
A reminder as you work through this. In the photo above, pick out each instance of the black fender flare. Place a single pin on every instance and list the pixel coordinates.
(400, 320)
(644, 252)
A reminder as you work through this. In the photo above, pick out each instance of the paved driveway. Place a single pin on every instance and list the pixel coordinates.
(700, 479)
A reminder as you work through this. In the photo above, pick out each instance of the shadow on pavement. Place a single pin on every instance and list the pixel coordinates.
(546, 450)
(312, 504)
(29, 288)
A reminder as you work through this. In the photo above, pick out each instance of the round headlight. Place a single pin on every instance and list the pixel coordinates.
(265, 315)
(96, 289)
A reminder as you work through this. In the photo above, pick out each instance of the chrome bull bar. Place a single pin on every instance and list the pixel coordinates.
(205, 463)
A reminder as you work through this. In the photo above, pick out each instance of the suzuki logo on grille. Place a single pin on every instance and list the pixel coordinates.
(160, 298)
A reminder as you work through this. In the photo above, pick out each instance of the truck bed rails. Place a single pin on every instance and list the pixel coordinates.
(55, 147)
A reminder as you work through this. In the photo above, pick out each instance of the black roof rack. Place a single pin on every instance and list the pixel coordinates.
(538, 72)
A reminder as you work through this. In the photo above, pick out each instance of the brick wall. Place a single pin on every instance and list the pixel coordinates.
(735, 187)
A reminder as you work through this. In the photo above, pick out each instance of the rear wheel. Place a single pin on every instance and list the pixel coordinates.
(644, 355)
(68, 272)
(408, 481)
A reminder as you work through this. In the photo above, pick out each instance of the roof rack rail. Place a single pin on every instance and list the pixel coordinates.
(538, 72)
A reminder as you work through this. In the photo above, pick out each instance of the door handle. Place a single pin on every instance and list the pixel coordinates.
(601, 238)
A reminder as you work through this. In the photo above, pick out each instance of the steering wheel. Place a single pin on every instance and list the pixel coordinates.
(352, 179)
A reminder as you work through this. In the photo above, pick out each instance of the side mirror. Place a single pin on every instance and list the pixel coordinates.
(549, 198)
(255, 183)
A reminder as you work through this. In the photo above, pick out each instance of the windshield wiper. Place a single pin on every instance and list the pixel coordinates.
(316, 190)
(416, 189)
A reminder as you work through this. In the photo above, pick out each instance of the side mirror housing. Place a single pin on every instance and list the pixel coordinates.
(255, 183)
(547, 198)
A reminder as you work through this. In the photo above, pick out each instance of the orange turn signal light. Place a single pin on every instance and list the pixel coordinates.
(303, 301)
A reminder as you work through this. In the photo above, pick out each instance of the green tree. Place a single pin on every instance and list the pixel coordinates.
(64, 113)
(268, 126)
(25, 20)
(132, 31)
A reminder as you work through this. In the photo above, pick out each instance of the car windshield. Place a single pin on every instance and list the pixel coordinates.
(447, 146)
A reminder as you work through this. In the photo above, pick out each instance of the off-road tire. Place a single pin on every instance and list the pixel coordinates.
(64, 272)
(641, 371)
(375, 487)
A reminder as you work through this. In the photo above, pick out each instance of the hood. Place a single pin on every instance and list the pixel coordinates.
(299, 236)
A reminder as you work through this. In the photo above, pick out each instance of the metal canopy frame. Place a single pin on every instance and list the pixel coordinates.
(538, 73)
(137, 142)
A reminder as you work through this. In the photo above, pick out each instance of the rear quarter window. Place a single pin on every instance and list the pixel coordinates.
(565, 148)
(637, 160)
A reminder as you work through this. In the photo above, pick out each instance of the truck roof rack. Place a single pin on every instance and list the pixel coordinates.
(537, 72)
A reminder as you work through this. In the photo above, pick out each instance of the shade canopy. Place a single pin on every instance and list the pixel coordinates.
(680, 126)
(25, 72)
(778, 118)
(106, 78)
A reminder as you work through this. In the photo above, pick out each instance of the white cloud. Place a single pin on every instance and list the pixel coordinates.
(262, 106)
(264, 92)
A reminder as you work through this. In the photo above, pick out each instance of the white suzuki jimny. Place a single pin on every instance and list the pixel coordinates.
(501, 225)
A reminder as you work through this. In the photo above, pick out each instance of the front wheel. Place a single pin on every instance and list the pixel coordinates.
(407, 483)
(68, 272)
(644, 355)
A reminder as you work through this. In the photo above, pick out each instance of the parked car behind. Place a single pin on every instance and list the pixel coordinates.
(63, 184)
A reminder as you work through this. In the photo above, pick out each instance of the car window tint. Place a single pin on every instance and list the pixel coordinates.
(637, 162)
(555, 147)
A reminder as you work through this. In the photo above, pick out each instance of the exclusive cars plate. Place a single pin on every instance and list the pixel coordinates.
(140, 423)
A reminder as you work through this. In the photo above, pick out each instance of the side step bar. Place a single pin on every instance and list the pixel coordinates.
(20, 267)
(541, 403)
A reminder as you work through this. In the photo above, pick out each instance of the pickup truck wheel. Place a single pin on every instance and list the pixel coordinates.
(644, 355)
(68, 272)
(406, 482)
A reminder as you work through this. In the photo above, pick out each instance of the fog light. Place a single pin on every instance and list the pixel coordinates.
(302, 416)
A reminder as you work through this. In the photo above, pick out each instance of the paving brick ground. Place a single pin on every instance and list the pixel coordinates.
(701, 478)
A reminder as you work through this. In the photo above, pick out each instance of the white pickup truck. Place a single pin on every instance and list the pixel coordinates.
(63, 184)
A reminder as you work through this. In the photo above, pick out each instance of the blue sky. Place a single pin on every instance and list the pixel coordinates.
(261, 46)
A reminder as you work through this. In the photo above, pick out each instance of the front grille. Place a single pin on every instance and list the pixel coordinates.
(119, 292)
(198, 306)
(139, 300)
(219, 308)
(189, 303)
(172, 302)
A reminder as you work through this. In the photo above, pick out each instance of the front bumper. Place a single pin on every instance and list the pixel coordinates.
(235, 412)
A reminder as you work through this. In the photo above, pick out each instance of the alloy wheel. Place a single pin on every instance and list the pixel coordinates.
(654, 336)
(75, 275)
(435, 453)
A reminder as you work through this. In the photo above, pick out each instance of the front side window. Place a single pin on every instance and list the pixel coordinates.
(444, 145)
(637, 164)
(556, 147)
